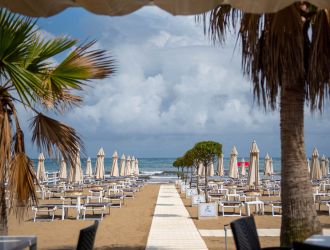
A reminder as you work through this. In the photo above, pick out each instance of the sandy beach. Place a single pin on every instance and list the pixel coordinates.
(125, 228)
(128, 227)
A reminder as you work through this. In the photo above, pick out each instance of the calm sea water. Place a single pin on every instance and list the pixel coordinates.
(151, 166)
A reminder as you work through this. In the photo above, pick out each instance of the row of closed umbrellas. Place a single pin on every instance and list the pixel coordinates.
(127, 166)
(253, 173)
(317, 170)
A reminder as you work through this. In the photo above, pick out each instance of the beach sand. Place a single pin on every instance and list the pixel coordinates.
(128, 227)
(125, 228)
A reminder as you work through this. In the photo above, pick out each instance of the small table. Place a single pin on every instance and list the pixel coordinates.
(319, 240)
(18, 242)
(259, 206)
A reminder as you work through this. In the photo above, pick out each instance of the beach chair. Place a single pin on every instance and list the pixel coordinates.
(116, 199)
(98, 208)
(230, 204)
(274, 206)
(87, 237)
(44, 209)
(95, 195)
(245, 235)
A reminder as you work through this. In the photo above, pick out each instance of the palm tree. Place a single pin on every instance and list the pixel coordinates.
(286, 55)
(30, 78)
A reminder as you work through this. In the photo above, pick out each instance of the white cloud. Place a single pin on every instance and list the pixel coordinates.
(169, 83)
(172, 87)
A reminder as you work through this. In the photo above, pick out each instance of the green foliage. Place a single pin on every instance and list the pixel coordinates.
(29, 75)
(206, 151)
(178, 162)
(189, 158)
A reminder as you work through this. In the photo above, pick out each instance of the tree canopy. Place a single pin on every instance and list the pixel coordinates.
(205, 151)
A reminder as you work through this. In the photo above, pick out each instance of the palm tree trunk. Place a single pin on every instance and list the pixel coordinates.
(3, 210)
(299, 218)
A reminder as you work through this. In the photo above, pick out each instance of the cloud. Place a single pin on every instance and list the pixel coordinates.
(172, 87)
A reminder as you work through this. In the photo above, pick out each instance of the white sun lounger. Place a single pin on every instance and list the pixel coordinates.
(42, 209)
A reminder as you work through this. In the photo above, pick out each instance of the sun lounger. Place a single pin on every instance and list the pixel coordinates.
(216, 196)
(230, 204)
(95, 207)
(274, 205)
(95, 195)
(42, 191)
(235, 197)
(129, 192)
(49, 209)
(326, 203)
(116, 200)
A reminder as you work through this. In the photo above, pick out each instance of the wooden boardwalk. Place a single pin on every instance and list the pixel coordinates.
(172, 227)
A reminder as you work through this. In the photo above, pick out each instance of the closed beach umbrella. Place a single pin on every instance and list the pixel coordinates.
(63, 172)
(77, 174)
(99, 167)
(210, 169)
(41, 172)
(268, 170)
(323, 166)
(316, 172)
(220, 166)
(308, 165)
(253, 179)
(128, 166)
(271, 166)
(137, 171)
(132, 165)
(201, 170)
(114, 167)
(71, 174)
(233, 170)
(89, 170)
(122, 165)
(243, 171)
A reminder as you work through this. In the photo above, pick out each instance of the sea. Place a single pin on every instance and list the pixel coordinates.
(152, 166)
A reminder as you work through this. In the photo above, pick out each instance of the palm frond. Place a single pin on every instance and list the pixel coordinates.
(52, 135)
(21, 181)
(5, 141)
(319, 61)
(61, 102)
(15, 34)
(15, 31)
(82, 65)
(221, 20)
(26, 83)
(41, 51)
(272, 47)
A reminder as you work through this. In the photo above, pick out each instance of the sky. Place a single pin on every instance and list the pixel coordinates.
(173, 87)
